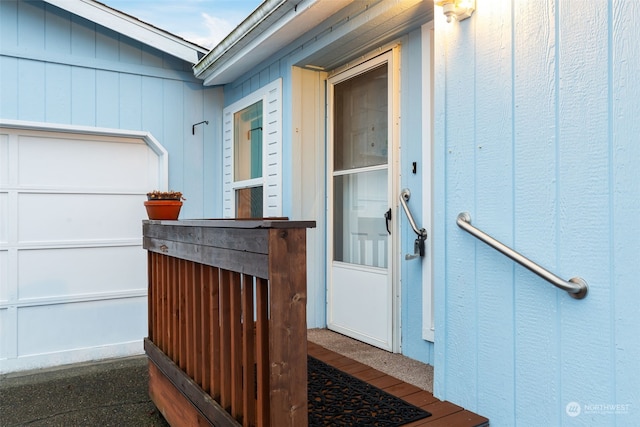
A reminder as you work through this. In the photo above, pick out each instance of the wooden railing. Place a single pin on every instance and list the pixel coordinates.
(227, 321)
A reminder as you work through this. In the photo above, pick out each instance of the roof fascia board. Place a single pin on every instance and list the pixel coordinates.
(133, 28)
(230, 59)
(239, 34)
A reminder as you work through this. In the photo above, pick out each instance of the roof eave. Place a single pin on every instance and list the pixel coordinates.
(267, 30)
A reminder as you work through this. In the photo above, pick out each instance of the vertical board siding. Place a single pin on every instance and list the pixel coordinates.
(193, 150)
(9, 70)
(625, 193)
(494, 181)
(83, 37)
(130, 101)
(57, 96)
(57, 30)
(460, 332)
(31, 86)
(59, 68)
(30, 17)
(212, 151)
(8, 24)
(539, 142)
(107, 102)
(83, 107)
(583, 202)
(537, 333)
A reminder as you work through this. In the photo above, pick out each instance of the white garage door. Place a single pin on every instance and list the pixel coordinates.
(72, 269)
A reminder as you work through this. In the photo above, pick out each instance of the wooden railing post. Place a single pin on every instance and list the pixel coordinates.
(288, 327)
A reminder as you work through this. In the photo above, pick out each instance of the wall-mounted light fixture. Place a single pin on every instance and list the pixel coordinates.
(457, 9)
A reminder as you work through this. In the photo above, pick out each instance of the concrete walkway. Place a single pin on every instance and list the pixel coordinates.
(115, 392)
(396, 365)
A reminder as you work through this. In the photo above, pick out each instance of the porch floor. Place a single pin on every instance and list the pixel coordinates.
(414, 387)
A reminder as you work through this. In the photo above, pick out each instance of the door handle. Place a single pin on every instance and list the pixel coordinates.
(418, 247)
(387, 217)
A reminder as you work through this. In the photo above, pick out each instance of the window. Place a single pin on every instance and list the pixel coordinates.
(252, 161)
(247, 161)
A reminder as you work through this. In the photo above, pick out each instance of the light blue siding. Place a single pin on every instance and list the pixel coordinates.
(84, 101)
(536, 134)
(534, 163)
(493, 180)
(624, 183)
(107, 100)
(56, 67)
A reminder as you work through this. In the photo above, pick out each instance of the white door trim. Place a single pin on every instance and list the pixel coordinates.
(428, 328)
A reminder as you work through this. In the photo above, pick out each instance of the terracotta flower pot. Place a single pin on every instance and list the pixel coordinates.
(163, 209)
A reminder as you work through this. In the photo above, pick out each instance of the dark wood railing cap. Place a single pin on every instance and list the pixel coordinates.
(236, 223)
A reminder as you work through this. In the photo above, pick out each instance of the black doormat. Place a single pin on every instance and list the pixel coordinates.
(339, 399)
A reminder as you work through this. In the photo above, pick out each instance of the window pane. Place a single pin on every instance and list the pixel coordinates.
(360, 235)
(249, 203)
(247, 144)
(360, 128)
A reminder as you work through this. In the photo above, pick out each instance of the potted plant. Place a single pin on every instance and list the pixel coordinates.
(164, 204)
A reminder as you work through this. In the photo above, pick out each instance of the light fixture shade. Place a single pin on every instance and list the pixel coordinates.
(456, 9)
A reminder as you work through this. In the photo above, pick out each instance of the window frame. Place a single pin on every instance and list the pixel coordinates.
(271, 180)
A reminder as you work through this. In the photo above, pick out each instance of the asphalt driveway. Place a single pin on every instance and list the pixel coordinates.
(106, 393)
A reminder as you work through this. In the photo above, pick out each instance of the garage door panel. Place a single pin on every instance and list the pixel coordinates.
(4, 333)
(106, 164)
(4, 276)
(44, 273)
(66, 327)
(73, 273)
(4, 218)
(79, 217)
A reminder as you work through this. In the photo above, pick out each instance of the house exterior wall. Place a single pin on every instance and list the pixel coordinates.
(56, 67)
(303, 132)
(536, 137)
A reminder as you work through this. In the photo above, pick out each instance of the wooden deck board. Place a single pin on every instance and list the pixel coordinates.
(443, 414)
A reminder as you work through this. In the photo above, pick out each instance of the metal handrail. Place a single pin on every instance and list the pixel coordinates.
(576, 286)
(404, 196)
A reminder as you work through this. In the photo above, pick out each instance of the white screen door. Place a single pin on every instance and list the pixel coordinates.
(360, 292)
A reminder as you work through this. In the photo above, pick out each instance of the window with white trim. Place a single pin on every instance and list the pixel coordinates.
(252, 159)
(247, 161)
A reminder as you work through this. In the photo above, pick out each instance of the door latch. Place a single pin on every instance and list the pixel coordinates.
(387, 217)
(418, 247)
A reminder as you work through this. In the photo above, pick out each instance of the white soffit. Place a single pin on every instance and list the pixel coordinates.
(133, 28)
(249, 48)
